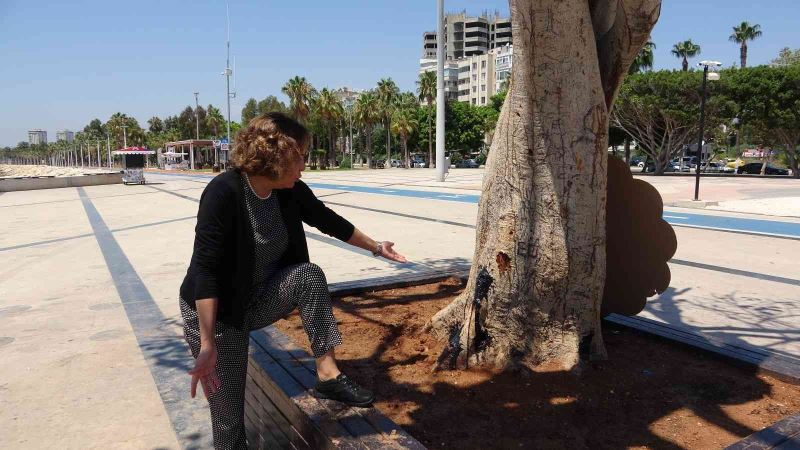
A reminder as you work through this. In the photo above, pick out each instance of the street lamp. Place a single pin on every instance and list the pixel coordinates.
(349, 107)
(706, 76)
(124, 136)
(197, 116)
(440, 169)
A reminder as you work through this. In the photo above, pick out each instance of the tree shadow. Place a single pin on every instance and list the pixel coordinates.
(619, 403)
(749, 317)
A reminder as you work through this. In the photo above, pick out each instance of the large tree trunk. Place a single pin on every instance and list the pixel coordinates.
(743, 55)
(368, 138)
(537, 275)
(388, 143)
(405, 152)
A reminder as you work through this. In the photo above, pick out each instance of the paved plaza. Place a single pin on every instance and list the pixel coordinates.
(89, 320)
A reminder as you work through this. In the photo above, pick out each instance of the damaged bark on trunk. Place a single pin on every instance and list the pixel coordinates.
(536, 282)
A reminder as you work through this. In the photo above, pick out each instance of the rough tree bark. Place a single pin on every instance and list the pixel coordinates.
(536, 282)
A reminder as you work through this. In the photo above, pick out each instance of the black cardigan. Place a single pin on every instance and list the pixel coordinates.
(223, 257)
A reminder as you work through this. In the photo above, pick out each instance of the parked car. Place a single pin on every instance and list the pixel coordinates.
(637, 161)
(418, 162)
(712, 167)
(378, 164)
(467, 164)
(397, 163)
(755, 169)
(651, 167)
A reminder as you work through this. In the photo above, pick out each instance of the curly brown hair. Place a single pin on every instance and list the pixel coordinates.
(270, 144)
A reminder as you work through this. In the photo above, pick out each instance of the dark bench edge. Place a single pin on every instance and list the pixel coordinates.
(780, 433)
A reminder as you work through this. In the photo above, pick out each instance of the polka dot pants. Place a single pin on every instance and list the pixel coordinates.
(302, 286)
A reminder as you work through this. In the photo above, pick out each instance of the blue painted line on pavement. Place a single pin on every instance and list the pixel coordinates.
(167, 355)
(723, 223)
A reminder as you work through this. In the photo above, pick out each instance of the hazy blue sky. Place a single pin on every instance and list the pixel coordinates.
(65, 63)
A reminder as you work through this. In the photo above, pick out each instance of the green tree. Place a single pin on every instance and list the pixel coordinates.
(250, 111)
(768, 99)
(330, 110)
(426, 89)
(660, 110)
(120, 126)
(466, 126)
(300, 93)
(644, 59)
(741, 34)
(387, 92)
(787, 57)
(404, 125)
(215, 122)
(367, 114)
(685, 50)
(271, 104)
(155, 125)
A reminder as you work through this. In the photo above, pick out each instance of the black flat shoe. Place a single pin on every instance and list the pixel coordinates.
(345, 390)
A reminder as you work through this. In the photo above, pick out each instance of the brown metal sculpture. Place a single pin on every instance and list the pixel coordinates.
(639, 242)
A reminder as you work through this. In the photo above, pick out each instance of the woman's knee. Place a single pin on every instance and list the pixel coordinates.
(311, 273)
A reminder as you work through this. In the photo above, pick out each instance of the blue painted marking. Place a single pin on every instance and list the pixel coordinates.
(167, 354)
(737, 224)
(463, 198)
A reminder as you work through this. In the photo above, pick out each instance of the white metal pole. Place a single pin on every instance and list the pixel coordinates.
(228, 82)
(108, 149)
(440, 92)
(97, 143)
(197, 116)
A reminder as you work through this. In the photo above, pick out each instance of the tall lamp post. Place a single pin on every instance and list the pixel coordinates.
(197, 116)
(124, 136)
(440, 91)
(706, 76)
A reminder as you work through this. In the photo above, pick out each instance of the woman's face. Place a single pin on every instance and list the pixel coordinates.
(291, 176)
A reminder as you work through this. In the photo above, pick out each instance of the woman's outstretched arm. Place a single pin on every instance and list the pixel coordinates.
(361, 240)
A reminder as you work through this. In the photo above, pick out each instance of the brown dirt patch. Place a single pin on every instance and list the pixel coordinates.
(651, 393)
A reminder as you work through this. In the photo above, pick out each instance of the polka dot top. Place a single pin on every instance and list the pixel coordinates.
(270, 237)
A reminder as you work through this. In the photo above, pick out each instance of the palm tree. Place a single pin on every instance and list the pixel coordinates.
(403, 125)
(426, 89)
(368, 113)
(686, 49)
(214, 119)
(330, 109)
(300, 93)
(644, 59)
(741, 34)
(387, 95)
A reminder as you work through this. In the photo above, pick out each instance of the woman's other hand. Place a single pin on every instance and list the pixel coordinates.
(205, 371)
(388, 252)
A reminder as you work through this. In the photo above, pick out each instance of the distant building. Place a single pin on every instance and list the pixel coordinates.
(504, 59)
(476, 82)
(347, 95)
(450, 76)
(478, 56)
(65, 135)
(469, 36)
(36, 137)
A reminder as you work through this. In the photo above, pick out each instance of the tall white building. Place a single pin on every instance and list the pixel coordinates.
(478, 56)
(504, 59)
(476, 82)
(36, 137)
(65, 135)
(468, 35)
(450, 76)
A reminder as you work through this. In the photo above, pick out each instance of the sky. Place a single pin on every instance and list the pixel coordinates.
(66, 63)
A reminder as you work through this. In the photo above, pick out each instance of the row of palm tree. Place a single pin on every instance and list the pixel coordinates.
(687, 49)
(324, 113)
